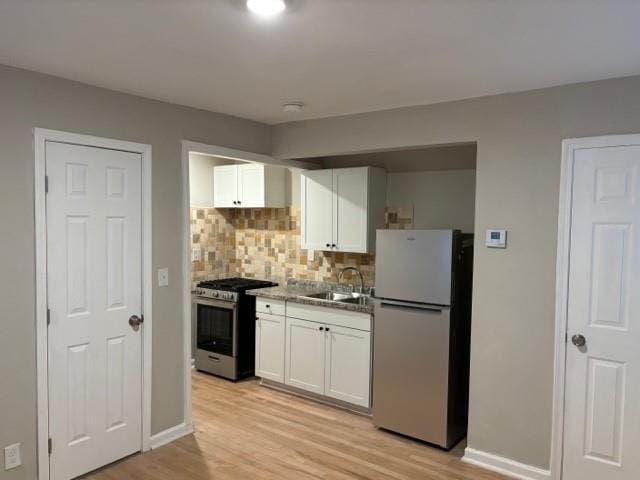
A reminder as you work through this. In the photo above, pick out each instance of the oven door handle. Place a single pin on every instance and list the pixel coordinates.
(216, 303)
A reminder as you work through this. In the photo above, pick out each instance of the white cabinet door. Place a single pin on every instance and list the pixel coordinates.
(317, 200)
(225, 186)
(270, 330)
(348, 365)
(304, 356)
(350, 217)
(251, 185)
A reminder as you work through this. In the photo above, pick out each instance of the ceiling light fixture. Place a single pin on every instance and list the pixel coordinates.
(293, 107)
(266, 8)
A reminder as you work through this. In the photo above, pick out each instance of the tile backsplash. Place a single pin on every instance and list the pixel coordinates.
(264, 243)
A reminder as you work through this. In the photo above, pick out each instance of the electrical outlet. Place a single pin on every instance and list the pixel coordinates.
(12, 456)
(311, 255)
(163, 277)
(196, 254)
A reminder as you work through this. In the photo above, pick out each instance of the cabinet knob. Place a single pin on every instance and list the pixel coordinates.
(326, 328)
(320, 328)
(328, 244)
(334, 245)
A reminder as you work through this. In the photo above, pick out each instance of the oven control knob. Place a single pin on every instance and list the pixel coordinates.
(214, 294)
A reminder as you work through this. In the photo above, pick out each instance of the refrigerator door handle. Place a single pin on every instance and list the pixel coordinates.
(409, 306)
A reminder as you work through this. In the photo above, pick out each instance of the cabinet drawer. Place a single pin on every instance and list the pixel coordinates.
(273, 307)
(330, 316)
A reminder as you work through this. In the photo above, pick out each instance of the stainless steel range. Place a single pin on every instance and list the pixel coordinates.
(225, 326)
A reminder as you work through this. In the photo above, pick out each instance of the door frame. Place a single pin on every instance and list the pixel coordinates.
(223, 152)
(569, 146)
(40, 137)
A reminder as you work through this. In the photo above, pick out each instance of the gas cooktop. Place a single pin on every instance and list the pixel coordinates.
(229, 288)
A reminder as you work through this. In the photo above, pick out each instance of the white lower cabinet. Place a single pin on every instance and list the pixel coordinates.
(329, 360)
(304, 355)
(270, 344)
(347, 365)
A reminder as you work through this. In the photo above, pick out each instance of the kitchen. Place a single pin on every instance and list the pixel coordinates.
(328, 283)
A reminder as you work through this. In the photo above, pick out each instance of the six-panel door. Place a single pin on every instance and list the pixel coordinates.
(270, 335)
(94, 282)
(602, 413)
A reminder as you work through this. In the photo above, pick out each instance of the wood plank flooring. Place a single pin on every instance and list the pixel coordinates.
(245, 431)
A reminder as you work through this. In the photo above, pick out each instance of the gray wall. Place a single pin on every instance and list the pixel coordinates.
(517, 185)
(30, 100)
(440, 199)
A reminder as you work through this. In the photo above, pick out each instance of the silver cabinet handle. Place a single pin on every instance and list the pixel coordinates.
(579, 340)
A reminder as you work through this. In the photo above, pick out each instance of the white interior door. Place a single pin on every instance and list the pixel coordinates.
(317, 216)
(350, 187)
(251, 185)
(602, 404)
(94, 271)
(225, 186)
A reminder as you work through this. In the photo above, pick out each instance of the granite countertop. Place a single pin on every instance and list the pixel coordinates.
(295, 290)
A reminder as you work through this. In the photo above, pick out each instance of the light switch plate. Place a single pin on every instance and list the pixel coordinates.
(12, 456)
(163, 277)
(496, 238)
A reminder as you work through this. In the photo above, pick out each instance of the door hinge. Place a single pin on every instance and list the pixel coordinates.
(48, 316)
(50, 446)
(46, 184)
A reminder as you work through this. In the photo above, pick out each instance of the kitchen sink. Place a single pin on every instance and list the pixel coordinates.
(342, 297)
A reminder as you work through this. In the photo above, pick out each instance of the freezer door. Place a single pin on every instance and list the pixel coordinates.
(414, 265)
(411, 371)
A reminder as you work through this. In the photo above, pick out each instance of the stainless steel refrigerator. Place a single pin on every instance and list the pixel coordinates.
(421, 333)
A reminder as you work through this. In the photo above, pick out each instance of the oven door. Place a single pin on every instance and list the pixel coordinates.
(216, 326)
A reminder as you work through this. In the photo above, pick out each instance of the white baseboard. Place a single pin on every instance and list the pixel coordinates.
(504, 466)
(170, 434)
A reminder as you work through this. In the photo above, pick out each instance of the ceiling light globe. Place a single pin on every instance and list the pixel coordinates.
(266, 8)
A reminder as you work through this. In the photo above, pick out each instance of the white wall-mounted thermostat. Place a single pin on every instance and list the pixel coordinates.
(496, 239)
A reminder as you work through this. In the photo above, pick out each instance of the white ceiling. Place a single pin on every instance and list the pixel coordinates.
(336, 56)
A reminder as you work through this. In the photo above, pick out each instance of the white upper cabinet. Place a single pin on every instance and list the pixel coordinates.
(316, 187)
(342, 208)
(248, 185)
(251, 185)
(225, 186)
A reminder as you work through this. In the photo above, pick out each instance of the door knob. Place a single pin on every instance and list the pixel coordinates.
(579, 340)
(135, 321)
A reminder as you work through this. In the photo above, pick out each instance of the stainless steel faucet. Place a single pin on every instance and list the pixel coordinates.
(355, 270)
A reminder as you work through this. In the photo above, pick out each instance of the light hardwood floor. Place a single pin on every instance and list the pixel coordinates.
(245, 431)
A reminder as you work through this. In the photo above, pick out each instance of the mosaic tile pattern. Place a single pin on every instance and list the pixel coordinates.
(265, 243)
(213, 232)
